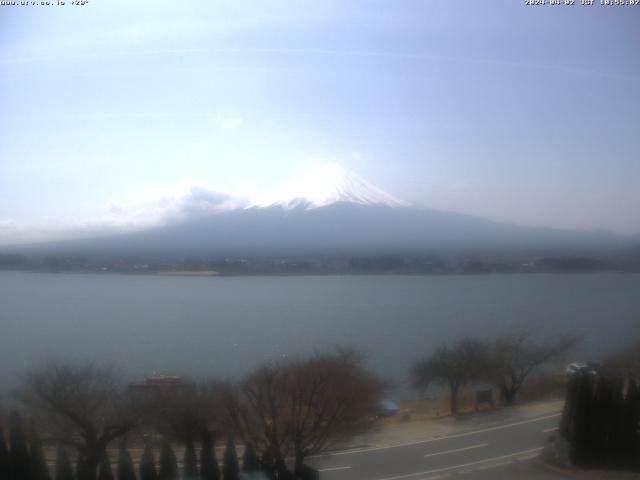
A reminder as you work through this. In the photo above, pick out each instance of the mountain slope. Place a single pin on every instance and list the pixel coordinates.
(339, 228)
(332, 212)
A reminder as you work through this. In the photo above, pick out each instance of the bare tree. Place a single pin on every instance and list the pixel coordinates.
(81, 405)
(304, 407)
(514, 355)
(255, 409)
(331, 397)
(452, 366)
(187, 412)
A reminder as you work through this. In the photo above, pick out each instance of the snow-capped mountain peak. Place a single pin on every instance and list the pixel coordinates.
(326, 185)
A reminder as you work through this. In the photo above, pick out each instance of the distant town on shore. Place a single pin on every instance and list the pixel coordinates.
(324, 264)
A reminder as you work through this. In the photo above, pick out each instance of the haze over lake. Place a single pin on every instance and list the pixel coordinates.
(224, 326)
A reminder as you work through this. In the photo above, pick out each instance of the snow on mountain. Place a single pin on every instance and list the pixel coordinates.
(326, 185)
(328, 211)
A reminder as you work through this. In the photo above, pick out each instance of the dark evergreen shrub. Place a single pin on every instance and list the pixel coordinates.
(82, 469)
(568, 413)
(267, 465)
(190, 461)
(148, 464)
(125, 468)
(209, 469)
(230, 467)
(598, 426)
(580, 440)
(64, 471)
(251, 463)
(38, 464)
(18, 451)
(168, 463)
(304, 472)
(282, 472)
(104, 468)
(601, 422)
(632, 425)
(4, 456)
(616, 445)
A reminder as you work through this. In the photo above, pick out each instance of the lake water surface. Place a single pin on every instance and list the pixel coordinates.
(223, 326)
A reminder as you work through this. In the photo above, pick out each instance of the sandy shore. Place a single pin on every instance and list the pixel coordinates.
(204, 273)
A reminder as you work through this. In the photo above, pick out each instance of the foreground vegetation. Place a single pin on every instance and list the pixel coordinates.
(506, 362)
(600, 426)
(280, 411)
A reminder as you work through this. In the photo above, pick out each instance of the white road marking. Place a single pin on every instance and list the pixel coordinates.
(547, 430)
(462, 465)
(457, 450)
(482, 468)
(446, 437)
(332, 469)
(489, 466)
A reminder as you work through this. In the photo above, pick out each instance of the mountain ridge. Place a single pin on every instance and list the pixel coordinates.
(338, 228)
(331, 212)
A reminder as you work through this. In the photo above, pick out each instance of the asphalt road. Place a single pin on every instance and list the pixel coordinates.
(502, 447)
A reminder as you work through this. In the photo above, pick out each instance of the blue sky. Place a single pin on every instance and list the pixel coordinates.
(116, 109)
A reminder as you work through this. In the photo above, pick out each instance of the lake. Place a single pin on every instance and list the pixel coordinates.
(224, 326)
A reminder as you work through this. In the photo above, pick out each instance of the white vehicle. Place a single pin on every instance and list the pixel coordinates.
(590, 368)
(387, 408)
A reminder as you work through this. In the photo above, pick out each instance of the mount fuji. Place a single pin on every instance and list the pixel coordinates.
(329, 212)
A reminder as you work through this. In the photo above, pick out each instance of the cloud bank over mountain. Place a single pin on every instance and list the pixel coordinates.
(323, 185)
(329, 211)
(125, 216)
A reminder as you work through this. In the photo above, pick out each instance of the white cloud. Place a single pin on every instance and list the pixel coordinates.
(143, 210)
(186, 201)
(321, 181)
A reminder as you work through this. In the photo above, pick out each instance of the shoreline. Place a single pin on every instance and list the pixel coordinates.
(179, 273)
(214, 273)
